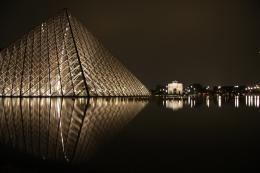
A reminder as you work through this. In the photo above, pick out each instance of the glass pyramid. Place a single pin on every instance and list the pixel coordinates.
(61, 57)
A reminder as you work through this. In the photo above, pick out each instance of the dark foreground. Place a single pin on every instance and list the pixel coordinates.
(125, 135)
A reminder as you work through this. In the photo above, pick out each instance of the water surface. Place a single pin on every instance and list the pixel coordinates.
(208, 134)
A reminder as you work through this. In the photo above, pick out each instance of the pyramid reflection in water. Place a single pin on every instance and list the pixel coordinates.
(67, 130)
(61, 57)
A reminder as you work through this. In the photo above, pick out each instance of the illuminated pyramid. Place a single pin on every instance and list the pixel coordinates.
(61, 57)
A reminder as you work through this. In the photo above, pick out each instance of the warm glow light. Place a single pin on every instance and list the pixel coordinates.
(219, 101)
(207, 101)
(236, 101)
(175, 88)
(192, 102)
(252, 101)
(257, 101)
(174, 104)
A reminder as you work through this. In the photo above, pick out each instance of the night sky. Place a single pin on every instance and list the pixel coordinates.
(208, 42)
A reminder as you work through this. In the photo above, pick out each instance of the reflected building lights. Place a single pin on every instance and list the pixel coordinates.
(174, 104)
(192, 103)
(248, 101)
(252, 101)
(207, 101)
(65, 130)
(219, 101)
(236, 101)
(257, 101)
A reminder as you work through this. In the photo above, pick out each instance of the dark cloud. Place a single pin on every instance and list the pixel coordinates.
(210, 42)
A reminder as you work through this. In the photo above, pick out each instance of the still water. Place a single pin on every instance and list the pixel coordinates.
(130, 135)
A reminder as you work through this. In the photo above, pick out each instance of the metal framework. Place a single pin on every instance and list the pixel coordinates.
(63, 129)
(61, 57)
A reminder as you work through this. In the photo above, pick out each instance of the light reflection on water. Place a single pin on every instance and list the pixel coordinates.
(219, 101)
(216, 101)
(252, 101)
(68, 130)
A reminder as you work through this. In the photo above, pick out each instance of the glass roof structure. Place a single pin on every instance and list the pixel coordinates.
(60, 57)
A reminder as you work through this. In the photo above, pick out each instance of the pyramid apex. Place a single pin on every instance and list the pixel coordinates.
(65, 9)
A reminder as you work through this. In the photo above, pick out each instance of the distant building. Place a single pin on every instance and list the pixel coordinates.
(195, 88)
(252, 88)
(229, 90)
(160, 90)
(175, 88)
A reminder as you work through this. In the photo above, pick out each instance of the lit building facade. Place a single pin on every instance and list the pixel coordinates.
(60, 57)
(175, 88)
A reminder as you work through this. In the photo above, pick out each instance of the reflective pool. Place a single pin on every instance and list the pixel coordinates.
(130, 135)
